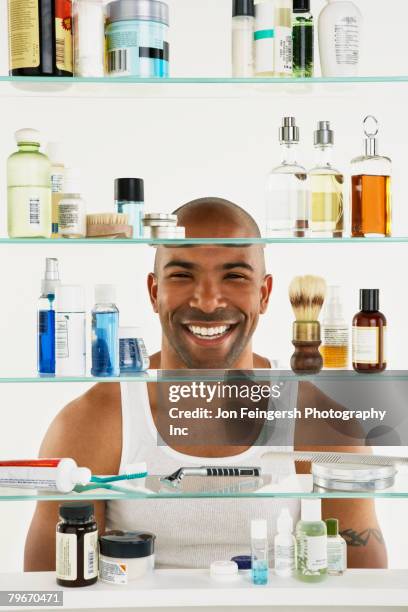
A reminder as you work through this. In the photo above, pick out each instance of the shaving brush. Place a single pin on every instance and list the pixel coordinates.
(306, 294)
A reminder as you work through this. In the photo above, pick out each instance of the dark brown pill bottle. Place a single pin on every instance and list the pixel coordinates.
(369, 334)
(77, 545)
(40, 38)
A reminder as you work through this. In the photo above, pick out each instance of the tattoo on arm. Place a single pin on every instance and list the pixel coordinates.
(361, 539)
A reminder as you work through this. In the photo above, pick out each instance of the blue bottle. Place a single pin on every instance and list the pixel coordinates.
(129, 199)
(46, 319)
(260, 552)
(105, 333)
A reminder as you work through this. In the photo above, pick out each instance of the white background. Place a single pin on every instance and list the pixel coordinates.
(188, 148)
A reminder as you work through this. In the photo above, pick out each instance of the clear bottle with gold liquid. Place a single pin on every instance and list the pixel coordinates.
(327, 200)
(335, 333)
(371, 188)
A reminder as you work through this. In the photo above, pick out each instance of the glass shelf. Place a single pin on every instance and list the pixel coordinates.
(188, 87)
(174, 376)
(290, 487)
(205, 241)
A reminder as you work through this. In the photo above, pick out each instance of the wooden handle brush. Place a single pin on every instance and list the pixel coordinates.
(306, 294)
(108, 225)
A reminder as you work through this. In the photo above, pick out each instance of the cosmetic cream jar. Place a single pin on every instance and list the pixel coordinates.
(353, 477)
(224, 571)
(125, 556)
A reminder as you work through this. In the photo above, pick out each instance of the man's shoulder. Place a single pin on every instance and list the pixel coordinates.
(89, 429)
(101, 405)
(261, 362)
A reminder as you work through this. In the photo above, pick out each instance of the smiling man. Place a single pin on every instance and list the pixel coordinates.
(209, 299)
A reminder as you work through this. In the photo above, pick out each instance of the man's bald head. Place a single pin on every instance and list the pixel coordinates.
(216, 218)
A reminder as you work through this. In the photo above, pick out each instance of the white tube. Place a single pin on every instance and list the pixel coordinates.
(61, 475)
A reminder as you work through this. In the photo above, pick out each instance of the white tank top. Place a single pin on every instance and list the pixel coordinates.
(190, 533)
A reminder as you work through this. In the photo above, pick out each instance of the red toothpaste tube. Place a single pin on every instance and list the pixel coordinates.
(61, 475)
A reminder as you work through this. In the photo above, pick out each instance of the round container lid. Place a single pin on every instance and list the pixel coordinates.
(105, 294)
(28, 135)
(224, 568)
(77, 511)
(129, 189)
(160, 217)
(353, 472)
(145, 10)
(244, 562)
(127, 544)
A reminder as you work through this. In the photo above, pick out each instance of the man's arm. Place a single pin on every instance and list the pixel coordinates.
(358, 522)
(88, 430)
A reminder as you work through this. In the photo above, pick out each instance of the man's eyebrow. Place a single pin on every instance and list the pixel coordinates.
(237, 264)
(179, 263)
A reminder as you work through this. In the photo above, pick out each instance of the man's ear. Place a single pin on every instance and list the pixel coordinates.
(266, 291)
(152, 287)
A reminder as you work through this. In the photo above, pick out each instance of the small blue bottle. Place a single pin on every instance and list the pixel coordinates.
(129, 199)
(46, 319)
(259, 552)
(105, 333)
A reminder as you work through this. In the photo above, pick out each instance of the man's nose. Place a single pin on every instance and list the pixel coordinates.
(207, 296)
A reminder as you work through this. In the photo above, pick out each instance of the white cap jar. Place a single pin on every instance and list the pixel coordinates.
(125, 556)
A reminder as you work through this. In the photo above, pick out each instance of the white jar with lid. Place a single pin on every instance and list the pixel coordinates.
(125, 556)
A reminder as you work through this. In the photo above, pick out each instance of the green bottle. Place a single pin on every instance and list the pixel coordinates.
(28, 188)
(311, 540)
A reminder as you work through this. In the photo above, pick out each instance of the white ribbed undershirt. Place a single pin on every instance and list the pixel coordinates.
(191, 533)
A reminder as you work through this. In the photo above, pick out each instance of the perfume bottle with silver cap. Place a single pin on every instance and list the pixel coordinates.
(287, 201)
(327, 214)
(371, 188)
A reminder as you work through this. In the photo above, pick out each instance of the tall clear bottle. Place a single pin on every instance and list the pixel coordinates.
(326, 182)
(371, 188)
(303, 39)
(28, 188)
(243, 25)
(311, 540)
(287, 199)
(46, 318)
(105, 333)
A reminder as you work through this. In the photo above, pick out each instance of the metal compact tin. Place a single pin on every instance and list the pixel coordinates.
(149, 218)
(353, 477)
(168, 233)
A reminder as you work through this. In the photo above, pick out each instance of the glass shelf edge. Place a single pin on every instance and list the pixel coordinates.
(204, 241)
(157, 376)
(206, 80)
(303, 488)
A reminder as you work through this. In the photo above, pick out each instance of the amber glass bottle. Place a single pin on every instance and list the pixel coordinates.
(77, 545)
(371, 188)
(369, 334)
(40, 37)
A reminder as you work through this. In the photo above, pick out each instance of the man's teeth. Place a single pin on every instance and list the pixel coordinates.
(209, 332)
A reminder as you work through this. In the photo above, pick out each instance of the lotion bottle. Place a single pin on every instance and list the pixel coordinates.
(311, 542)
(340, 25)
(285, 545)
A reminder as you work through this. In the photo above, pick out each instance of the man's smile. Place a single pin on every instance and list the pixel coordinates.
(209, 334)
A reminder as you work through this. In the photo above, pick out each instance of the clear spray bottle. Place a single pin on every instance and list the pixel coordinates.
(46, 318)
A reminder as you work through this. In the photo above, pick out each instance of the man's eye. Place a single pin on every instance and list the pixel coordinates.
(180, 275)
(235, 276)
